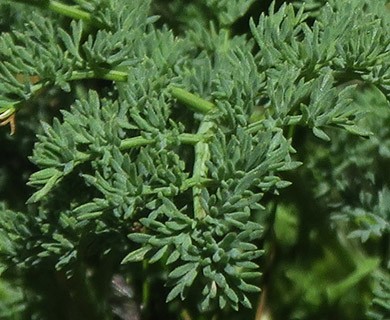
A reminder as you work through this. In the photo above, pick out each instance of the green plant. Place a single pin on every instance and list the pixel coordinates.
(166, 145)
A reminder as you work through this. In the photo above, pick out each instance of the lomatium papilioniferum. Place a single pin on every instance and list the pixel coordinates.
(147, 152)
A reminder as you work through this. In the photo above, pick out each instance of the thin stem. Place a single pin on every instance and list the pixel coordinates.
(192, 101)
(105, 74)
(69, 11)
(202, 154)
(189, 138)
(66, 10)
(134, 142)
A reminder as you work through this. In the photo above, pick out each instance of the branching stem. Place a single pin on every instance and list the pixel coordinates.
(139, 141)
(202, 154)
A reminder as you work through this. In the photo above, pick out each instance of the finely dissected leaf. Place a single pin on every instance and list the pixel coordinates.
(139, 237)
(181, 270)
(178, 289)
(48, 185)
(159, 254)
(248, 287)
(137, 255)
(173, 257)
(170, 131)
(319, 133)
(231, 295)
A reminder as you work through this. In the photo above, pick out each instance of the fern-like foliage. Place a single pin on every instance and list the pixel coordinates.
(177, 154)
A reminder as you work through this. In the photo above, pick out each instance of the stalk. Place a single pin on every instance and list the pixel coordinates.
(192, 101)
(139, 141)
(202, 154)
(104, 74)
(64, 9)
(69, 11)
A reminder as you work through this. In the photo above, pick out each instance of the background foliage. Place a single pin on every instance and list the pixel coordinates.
(179, 159)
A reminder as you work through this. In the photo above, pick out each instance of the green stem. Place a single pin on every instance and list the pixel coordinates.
(202, 154)
(189, 138)
(69, 11)
(105, 74)
(66, 10)
(194, 102)
(191, 100)
(134, 142)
